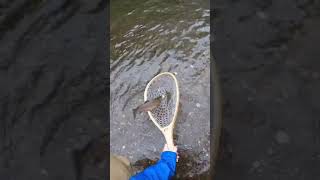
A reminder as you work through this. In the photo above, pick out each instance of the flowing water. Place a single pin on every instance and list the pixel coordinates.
(52, 95)
(149, 37)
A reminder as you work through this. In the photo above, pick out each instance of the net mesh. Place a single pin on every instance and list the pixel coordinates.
(164, 113)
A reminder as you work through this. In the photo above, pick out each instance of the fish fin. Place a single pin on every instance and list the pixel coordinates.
(134, 111)
(168, 96)
(143, 110)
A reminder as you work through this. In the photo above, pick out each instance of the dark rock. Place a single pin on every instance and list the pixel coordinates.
(282, 137)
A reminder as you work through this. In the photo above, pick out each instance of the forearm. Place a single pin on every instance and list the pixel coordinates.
(164, 169)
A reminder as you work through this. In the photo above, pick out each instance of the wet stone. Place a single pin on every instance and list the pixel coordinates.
(256, 164)
(250, 99)
(44, 172)
(256, 167)
(315, 75)
(282, 137)
(270, 151)
(262, 15)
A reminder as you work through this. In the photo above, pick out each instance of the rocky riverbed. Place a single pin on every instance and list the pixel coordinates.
(267, 54)
(53, 88)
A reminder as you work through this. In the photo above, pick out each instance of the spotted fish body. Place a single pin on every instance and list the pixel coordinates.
(163, 86)
(147, 106)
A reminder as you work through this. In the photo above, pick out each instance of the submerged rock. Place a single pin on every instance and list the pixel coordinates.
(282, 137)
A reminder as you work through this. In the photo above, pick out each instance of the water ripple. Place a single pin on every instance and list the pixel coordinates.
(156, 37)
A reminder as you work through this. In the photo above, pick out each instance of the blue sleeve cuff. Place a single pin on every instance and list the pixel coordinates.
(170, 158)
(168, 154)
(164, 169)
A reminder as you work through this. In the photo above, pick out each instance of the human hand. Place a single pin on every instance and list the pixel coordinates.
(172, 149)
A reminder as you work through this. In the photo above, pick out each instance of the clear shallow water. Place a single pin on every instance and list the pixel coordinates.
(149, 37)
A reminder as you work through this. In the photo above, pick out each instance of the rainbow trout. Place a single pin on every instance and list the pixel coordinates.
(147, 106)
(150, 105)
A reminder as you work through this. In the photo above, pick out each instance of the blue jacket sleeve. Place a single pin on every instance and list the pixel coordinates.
(164, 169)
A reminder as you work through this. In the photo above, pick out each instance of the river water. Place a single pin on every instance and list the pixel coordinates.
(149, 37)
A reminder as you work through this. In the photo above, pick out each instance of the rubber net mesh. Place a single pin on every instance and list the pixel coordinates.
(165, 112)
